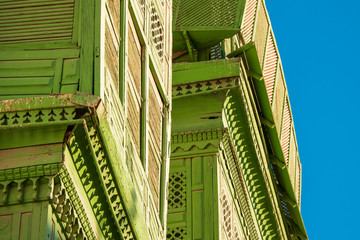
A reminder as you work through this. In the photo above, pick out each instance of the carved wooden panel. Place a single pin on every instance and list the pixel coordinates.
(228, 216)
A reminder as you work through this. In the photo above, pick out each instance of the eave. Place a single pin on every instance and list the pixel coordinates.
(250, 57)
(81, 126)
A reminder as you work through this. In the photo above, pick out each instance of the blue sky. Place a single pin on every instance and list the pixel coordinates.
(319, 48)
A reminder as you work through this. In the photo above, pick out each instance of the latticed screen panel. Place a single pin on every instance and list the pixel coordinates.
(29, 21)
(206, 13)
(226, 215)
(229, 219)
(176, 233)
(157, 31)
(177, 190)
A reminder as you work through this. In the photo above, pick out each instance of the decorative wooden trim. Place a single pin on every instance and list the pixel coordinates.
(203, 87)
(108, 182)
(76, 203)
(237, 180)
(90, 155)
(185, 137)
(24, 173)
(198, 142)
(68, 209)
(251, 170)
(25, 190)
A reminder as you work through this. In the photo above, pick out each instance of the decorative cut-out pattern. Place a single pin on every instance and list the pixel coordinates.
(200, 87)
(197, 136)
(76, 203)
(113, 195)
(230, 224)
(65, 213)
(157, 31)
(177, 190)
(29, 172)
(176, 233)
(37, 116)
(245, 149)
(24, 190)
(89, 178)
(239, 187)
(226, 213)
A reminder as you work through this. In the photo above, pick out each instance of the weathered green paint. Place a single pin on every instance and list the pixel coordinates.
(128, 219)
(190, 47)
(255, 184)
(206, 70)
(213, 26)
(250, 57)
(69, 48)
(192, 211)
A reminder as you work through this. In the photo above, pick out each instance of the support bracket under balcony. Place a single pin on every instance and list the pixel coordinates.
(190, 46)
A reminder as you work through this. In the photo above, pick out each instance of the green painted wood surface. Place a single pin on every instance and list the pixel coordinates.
(52, 53)
(205, 21)
(22, 222)
(193, 206)
(36, 21)
(201, 71)
(29, 221)
(29, 156)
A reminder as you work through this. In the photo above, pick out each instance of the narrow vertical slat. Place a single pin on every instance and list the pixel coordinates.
(87, 46)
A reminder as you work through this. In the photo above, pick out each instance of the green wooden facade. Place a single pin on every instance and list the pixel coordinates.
(144, 119)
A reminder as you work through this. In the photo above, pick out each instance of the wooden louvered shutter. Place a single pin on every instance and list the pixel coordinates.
(34, 21)
(134, 86)
(156, 108)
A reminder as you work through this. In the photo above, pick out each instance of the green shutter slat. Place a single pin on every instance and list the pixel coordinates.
(35, 24)
(39, 37)
(36, 20)
(21, 4)
(29, 15)
(29, 21)
(32, 27)
(31, 32)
